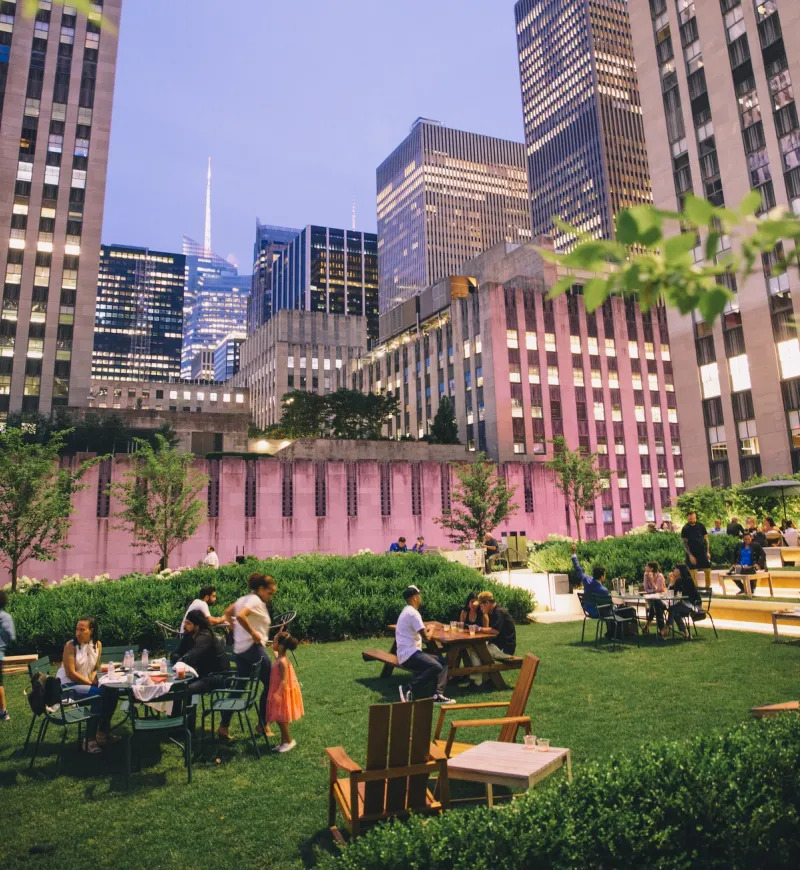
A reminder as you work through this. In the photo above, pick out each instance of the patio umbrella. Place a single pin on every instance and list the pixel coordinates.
(776, 487)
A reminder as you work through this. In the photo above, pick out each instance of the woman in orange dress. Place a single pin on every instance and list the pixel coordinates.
(285, 701)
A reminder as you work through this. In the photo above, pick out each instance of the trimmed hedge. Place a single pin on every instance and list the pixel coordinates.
(335, 597)
(731, 800)
(626, 556)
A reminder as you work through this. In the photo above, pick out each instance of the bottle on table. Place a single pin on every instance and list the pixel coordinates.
(145, 658)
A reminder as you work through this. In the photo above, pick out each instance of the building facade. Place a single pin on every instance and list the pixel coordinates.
(445, 196)
(331, 270)
(522, 369)
(56, 86)
(169, 396)
(227, 355)
(219, 307)
(297, 350)
(138, 320)
(270, 241)
(726, 71)
(584, 138)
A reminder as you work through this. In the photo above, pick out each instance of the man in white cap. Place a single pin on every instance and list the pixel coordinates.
(409, 635)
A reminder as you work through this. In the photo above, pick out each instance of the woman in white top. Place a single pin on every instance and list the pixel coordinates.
(251, 623)
(78, 673)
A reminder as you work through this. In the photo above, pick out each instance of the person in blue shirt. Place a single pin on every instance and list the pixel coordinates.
(593, 586)
(750, 557)
(399, 546)
(419, 547)
(7, 637)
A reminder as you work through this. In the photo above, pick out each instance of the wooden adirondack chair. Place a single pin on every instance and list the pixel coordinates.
(400, 759)
(510, 723)
(775, 709)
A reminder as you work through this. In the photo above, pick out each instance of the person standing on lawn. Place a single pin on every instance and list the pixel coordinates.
(409, 634)
(695, 542)
(8, 635)
(285, 701)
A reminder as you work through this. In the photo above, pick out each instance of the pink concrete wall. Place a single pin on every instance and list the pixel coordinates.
(98, 547)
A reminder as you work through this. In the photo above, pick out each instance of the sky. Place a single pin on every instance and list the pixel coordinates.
(296, 103)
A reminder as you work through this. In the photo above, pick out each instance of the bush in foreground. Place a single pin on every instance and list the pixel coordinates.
(627, 556)
(335, 597)
(730, 800)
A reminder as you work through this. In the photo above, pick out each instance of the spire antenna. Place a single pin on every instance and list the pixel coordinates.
(207, 237)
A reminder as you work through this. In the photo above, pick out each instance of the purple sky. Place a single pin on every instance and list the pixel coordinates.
(296, 103)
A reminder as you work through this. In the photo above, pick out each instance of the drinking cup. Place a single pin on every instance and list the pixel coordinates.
(472, 629)
(530, 741)
(130, 678)
(544, 744)
(461, 626)
(111, 669)
(180, 670)
(163, 666)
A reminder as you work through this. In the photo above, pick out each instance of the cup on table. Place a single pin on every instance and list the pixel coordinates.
(472, 629)
(461, 626)
(543, 744)
(453, 625)
(163, 666)
(111, 670)
(130, 678)
(530, 741)
(180, 670)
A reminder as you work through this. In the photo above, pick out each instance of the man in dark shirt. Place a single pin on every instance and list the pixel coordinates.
(501, 647)
(695, 542)
(490, 550)
(735, 528)
(593, 588)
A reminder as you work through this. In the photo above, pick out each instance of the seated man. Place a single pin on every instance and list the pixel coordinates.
(419, 547)
(398, 546)
(750, 557)
(207, 598)
(593, 586)
(409, 634)
(772, 533)
(717, 530)
(490, 550)
(735, 528)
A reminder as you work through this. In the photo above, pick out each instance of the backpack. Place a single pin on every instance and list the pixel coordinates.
(45, 692)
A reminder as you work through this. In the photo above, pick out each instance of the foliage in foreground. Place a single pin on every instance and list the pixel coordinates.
(729, 800)
(626, 556)
(335, 597)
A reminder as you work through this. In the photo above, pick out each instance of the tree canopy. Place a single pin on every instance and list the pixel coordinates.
(444, 429)
(344, 414)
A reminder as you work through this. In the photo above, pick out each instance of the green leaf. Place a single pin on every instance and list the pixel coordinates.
(712, 245)
(561, 286)
(677, 248)
(650, 222)
(698, 211)
(627, 228)
(750, 204)
(595, 293)
(712, 303)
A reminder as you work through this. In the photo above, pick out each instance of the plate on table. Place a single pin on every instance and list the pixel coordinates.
(154, 667)
(159, 678)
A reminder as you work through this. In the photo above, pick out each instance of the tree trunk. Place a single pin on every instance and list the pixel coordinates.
(13, 576)
(578, 524)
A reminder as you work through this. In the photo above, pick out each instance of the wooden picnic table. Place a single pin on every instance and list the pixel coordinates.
(456, 645)
(787, 615)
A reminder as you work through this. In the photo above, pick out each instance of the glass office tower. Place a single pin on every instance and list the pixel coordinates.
(584, 138)
(270, 241)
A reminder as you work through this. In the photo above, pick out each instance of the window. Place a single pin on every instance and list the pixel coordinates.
(789, 357)
(740, 373)
(638, 413)
(512, 339)
(599, 411)
(575, 344)
(748, 437)
(709, 379)
(549, 341)
(652, 382)
(577, 377)
(290, 362)
(467, 349)
(592, 342)
(519, 447)
(655, 412)
(552, 375)
(597, 378)
(611, 347)
(533, 375)
(530, 341)
(633, 349)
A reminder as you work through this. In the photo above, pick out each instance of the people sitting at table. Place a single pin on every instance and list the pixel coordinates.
(772, 533)
(502, 647)
(734, 528)
(409, 634)
(695, 542)
(593, 588)
(472, 614)
(420, 546)
(654, 584)
(689, 604)
(758, 536)
(206, 599)
(749, 558)
(490, 551)
(398, 546)
(78, 673)
(790, 534)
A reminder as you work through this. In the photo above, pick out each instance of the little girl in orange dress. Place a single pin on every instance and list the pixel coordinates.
(284, 702)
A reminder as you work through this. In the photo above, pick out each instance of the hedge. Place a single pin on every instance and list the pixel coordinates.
(729, 800)
(628, 555)
(335, 597)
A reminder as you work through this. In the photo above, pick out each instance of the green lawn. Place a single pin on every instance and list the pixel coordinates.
(243, 813)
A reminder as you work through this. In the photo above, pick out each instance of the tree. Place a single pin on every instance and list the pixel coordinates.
(480, 501)
(708, 502)
(303, 415)
(359, 416)
(579, 478)
(35, 498)
(444, 429)
(159, 500)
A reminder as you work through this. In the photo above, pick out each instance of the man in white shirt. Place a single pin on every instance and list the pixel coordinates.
(206, 598)
(409, 634)
(251, 623)
(211, 560)
(790, 534)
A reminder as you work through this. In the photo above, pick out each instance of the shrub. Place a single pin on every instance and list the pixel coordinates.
(335, 597)
(728, 800)
(626, 556)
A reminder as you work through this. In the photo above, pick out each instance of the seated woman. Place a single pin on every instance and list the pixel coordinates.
(472, 613)
(691, 603)
(654, 583)
(78, 673)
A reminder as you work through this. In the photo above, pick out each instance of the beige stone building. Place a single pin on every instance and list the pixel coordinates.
(55, 121)
(721, 119)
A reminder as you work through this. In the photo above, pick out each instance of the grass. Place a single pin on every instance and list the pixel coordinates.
(272, 813)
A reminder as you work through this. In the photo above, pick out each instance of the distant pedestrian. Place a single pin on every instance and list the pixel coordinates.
(420, 546)
(7, 635)
(717, 530)
(399, 546)
(211, 560)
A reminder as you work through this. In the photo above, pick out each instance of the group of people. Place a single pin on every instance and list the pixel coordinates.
(481, 610)
(400, 546)
(200, 648)
(490, 546)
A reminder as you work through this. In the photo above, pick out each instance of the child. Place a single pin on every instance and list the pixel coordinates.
(284, 702)
(7, 636)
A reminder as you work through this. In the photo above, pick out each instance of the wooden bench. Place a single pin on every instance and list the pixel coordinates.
(18, 664)
(378, 655)
(790, 554)
(745, 579)
(775, 709)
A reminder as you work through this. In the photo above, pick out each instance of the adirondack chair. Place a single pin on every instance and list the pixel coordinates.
(510, 723)
(400, 759)
(775, 709)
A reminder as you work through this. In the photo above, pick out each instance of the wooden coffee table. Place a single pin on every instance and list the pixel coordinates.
(510, 764)
(787, 615)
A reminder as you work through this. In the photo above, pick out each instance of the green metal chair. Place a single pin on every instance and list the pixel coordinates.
(705, 593)
(239, 696)
(183, 706)
(70, 712)
(115, 653)
(40, 666)
(609, 615)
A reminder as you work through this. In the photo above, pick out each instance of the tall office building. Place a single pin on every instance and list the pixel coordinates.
(270, 241)
(724, 69)
(585, 146)
(56, 85)
(331, 270)
(138, 322)
(445, 196)
(219, 308)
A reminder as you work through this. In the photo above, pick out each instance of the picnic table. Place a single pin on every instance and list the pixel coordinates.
(788, 615)
(456, 645)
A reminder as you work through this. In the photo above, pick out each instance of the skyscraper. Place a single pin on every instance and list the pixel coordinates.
(445, 196)
(138, 322)
(56, 85)
(270, 241)
(330, 270)
(725, 71)
(584, 137)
